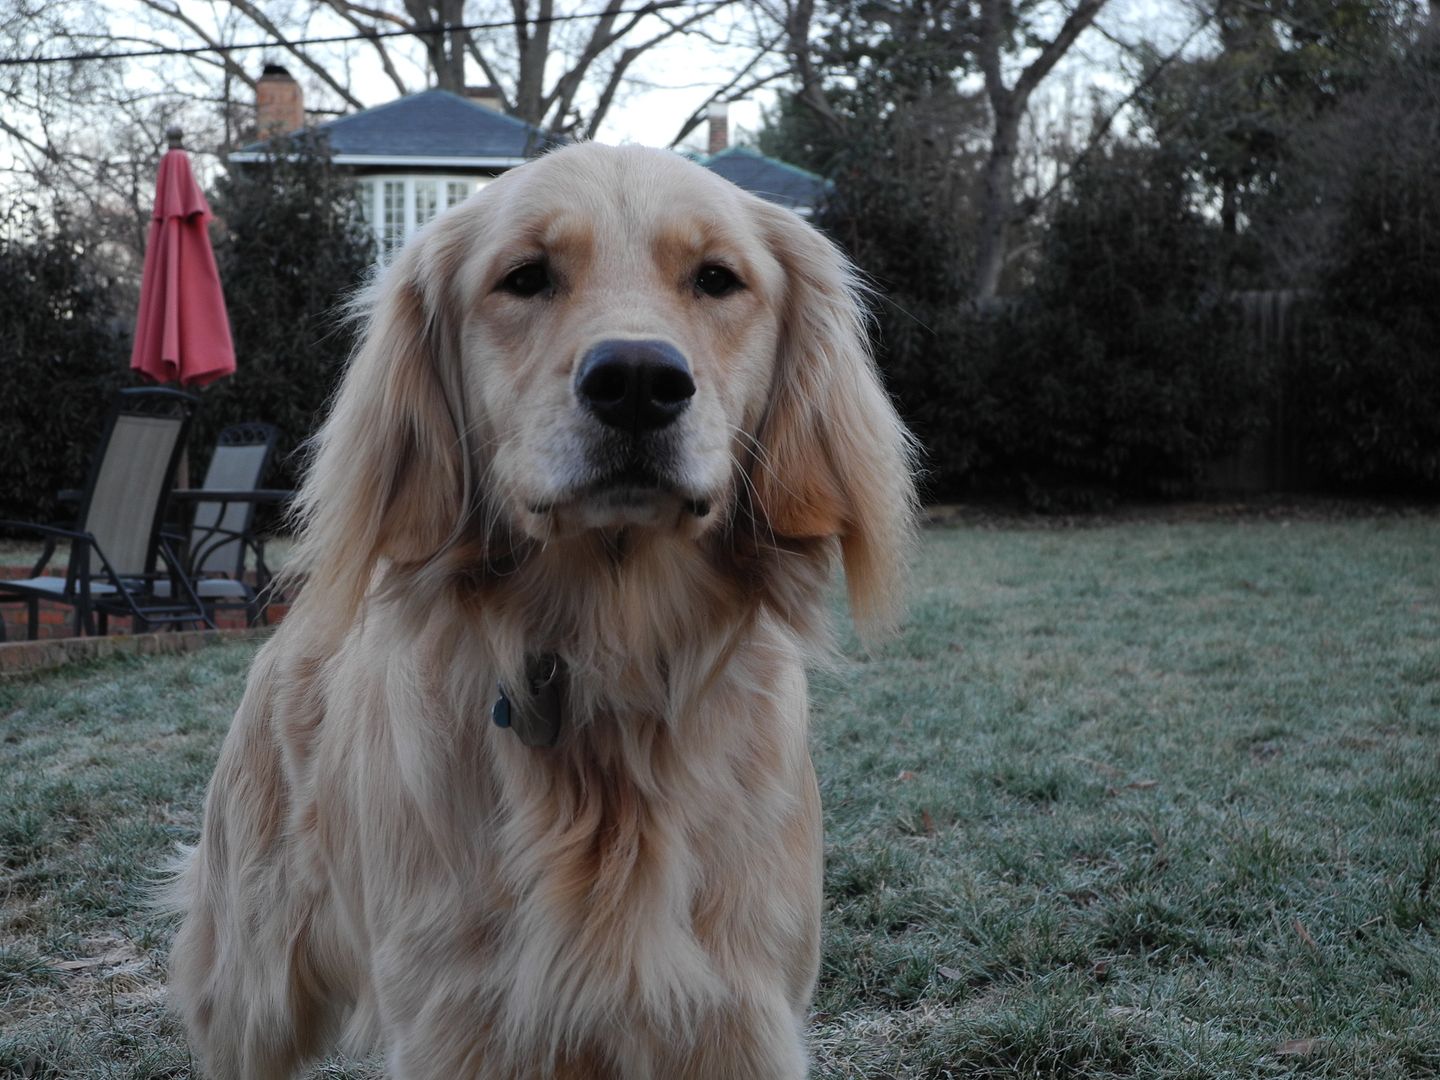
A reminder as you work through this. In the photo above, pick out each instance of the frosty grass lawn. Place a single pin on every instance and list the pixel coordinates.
(1138, 799)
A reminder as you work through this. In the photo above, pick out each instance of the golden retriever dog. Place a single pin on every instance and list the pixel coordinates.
(520, 790)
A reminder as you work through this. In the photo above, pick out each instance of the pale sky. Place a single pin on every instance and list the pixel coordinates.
(670, 82)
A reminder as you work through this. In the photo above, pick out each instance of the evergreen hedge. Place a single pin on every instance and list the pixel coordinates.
(63, 348)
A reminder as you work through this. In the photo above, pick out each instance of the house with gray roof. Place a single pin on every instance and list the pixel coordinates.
(420, 154)
(772, 179)
(412, 157)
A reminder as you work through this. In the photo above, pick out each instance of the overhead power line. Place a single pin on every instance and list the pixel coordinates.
(368, 35)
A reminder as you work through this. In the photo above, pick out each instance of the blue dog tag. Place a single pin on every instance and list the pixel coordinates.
(500, 711)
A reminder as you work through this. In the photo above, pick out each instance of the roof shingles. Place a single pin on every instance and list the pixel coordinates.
(775, 180)
(430, 124)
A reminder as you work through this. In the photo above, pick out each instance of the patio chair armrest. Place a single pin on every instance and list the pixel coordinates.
(56, 531)
(205, 540)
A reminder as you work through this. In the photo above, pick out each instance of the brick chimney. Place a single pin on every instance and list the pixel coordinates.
(719, 127)
(486, 95)
(279, 107)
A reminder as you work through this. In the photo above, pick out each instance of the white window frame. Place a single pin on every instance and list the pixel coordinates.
(372, 202)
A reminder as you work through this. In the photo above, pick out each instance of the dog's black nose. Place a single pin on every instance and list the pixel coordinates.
(634, 385)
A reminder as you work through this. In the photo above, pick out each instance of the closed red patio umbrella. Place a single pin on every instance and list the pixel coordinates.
(181, 332)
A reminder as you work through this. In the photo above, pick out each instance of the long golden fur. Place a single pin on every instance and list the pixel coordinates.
(379, 864)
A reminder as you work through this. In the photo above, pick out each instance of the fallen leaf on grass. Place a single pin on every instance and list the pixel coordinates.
(1305, 935)
(948, 973)
(1134, 785)
(905, 774)
(1126, 1012)
(1297, 1047)
(116, 958)
(78, 965)
(927, 821)
(1098, 766)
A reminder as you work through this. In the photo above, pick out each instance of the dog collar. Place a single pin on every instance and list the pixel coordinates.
(536, 714)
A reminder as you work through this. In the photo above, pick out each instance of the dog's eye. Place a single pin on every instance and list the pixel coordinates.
(716, 281)
(530, 279)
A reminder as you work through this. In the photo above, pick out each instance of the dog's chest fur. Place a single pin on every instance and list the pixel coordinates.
(624, 877)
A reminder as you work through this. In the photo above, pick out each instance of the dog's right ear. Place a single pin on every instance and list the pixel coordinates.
(836, 462)
(388, 477)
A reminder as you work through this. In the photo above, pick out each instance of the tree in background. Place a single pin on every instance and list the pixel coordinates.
(903, 64)
(80, 140)
(291, 246)
(1241, 113)
(1119, 371)
(900, 142)
(1005, 25)
(61, 355)
(1368, 378)
(84, 133)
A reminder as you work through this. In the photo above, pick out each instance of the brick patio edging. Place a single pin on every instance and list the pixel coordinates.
(26, 657)
(58, 620)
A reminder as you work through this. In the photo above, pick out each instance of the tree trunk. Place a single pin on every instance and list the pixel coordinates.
(1007, 105)
(997, 204)
(1228, 212)
(444, 51)
(533, 47)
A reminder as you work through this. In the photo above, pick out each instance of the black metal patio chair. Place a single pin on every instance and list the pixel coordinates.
(121, 562)
(222, 540)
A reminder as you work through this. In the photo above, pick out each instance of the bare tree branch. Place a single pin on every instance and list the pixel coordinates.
(736, 88)
(1007, 107)
(491, 76)
(350, 13)
(1097, 136)
(190, 24)
(265, 23)
(622, 64)
(1075, 23)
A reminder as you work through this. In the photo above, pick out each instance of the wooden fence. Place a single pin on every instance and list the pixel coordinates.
(1273, 459)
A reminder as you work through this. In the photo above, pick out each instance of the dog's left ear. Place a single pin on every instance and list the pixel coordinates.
(388, 478)
(835, 460)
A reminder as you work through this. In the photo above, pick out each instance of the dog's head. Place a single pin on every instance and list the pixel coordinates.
(610, 339)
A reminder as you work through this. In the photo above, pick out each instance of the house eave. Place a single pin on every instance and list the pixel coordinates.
(399, 162)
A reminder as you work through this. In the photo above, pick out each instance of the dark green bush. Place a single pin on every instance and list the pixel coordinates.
(290, 245)
(1367, 381)
(1118, 371)
(62, 353)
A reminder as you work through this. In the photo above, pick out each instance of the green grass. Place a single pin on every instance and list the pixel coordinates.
(1133, 800)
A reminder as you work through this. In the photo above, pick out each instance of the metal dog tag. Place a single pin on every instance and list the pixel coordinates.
(536, 714)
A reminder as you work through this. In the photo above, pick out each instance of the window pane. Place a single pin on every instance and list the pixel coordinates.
(365, 196)
(392, 225)
(427, 201)
(456, 191)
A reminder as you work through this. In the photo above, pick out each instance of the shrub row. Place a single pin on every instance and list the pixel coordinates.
(1123, 369)
(1119, 369)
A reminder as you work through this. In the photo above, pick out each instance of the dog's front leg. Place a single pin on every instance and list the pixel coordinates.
(242, 974)
(448, 1045)
(758, 1039)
